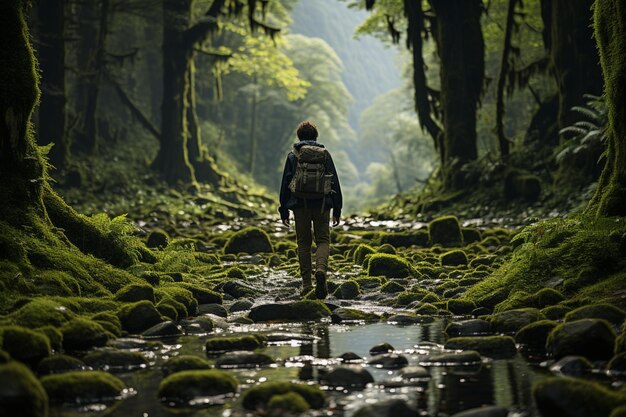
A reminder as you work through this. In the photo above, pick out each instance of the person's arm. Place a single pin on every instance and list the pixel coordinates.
(285, 192)
(336, 196)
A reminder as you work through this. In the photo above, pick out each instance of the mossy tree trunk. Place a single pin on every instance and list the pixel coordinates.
(461, 49)
(610, 34)
(51, 48)
(573, 53)
(503, 141)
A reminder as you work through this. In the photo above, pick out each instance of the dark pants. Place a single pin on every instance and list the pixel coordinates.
(303, 218)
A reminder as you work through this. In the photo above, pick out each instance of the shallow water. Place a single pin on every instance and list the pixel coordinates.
(451, 389)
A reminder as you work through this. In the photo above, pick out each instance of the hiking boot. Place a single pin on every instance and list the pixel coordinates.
(321, 291)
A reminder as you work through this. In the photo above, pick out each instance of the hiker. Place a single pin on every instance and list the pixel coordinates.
(310, 188)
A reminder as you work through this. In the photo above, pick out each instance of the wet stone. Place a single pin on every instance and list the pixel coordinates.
(58, 364)
(405, 319)
(241, 305)
(243, 360)
(347, 377)
(571, 366)
(165, 329)
(468, 328)
(387, 408)
(112, 359)
(350, 357)
(216, 309)
(488, 411)
(415, 372)
(389, 361)
(452, 359)
(591, 338)
(617, 365)
(380, 349)
(199, 325)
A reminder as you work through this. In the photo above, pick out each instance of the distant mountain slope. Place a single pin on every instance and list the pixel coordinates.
(370, 68)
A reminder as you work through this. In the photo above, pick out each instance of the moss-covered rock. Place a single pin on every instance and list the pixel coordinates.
(361, 252)
(54, 335)
(556, 312)
(109, 321)
(453, 258)
(184, 363)
(249, 240)
(387, 408)
(116, 359)
(497, 347)
(23, 344)
(83, 334)
(182, 387)
(41, 312)
(259, 396)
(535, 335)
(445, 231)
(58, 364)
(135, 292)
(232, 360)
(474, 327)
(299, 310)
(427, 309)
(606, 312)
(202, 295)
(84, 387)
(345, 314)
(181, 295)
(347, 377)
(573, 397)
(290, 403)
(404, 239)
(460, 307)
(139, 316)
(470, 235)
(591, 338)
(167, 304)
(237, 289)
(348, 290)
(390, 266)
(392, 287)
(158, 239)
(21, 394)
(226, 344)
(510, 322)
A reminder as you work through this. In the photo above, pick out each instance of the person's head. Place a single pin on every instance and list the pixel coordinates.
(307, 131)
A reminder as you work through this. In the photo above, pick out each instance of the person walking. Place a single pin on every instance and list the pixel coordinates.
(310, 188)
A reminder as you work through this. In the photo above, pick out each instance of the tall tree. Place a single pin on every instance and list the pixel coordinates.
(610, 34)
(51, 48)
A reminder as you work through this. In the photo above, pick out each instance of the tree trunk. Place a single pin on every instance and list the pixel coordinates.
(172, 161)
(52, 62)
(610, 34)
(503, 141)
(573, 54)
(461, 50)
(254, 102)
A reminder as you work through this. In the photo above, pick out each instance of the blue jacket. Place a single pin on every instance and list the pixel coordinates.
(289, 202)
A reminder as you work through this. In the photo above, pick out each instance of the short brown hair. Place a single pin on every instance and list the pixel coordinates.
(307, 131)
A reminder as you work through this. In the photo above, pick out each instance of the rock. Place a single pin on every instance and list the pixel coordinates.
(350, 357)
(474, 327)
(41, 312)
(217, 309)
(453, 258)
(571, 366)
(199, 325)
(460, 307)
(619, 412)
(135, 292)
(83, 334)
(249, 240)
(481, 311)
(389, 361)
(305, 310)
(427, 309)
(226, 344)
(202, 295)
(382, 348)
(392, 287)
(348, 290)
(612, 314)
(452, 359)
(617, 365)
(139, 316)
(390, 266)
(387, 408)
(347, 377)
(241, 305)
(572, 397)
(84, 387)
(59, 364)
(445, 231)
(405, 319)
(165, 329)
(107, 359)
(23, 344)
(21, 394)
(496, 347)
(243, 360)
(258, 396)
(290, 403)
(511, 321)
(184, 363)
(534, 335)
(591, 338)
(470, 235)
(158, 239)
(555, 312)
(238, 289)
(522, 185)
(487, 411)
(415, 373)
(403, 239)
(182, 387)
(361, 252)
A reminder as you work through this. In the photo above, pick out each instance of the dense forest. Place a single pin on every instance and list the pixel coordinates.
(478, 268)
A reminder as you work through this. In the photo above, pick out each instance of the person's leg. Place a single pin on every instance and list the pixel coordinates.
(304, 238)
(322, 243)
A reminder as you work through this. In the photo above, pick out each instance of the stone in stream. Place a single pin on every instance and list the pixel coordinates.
(591, 338)
(250, 240)
(617, 365)
(135, 292)
(59, 364)
(487, 411)
(139, 316)
(244, 359)
(389, 361)
(241, 305)
(511, 321)
(535, 335)
(452, 359)
(407, 319)
(213, 308)
(237, 289)
(348, 290)
(460, 307)
(83, 387)
(574, 397)
(610, 313)
(83, 334)
(165, 329)
(445, 231)
(184, 363)
(23, 344)
(346, 314)
(347, 377)
(224, 344)
(199, 325)
(496, 347)
(350, 357)
(453, 258)
(305, 310)
(185, 386)
(107, 359)
(387, 408)
(21, 393)
(257, 397)
(390, 266)
(571, 366)
(415, 373)
(473, 327)
(382, 348)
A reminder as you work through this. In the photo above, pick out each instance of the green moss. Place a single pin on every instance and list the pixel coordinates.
(460, 306)
(392, 287)
(471, 234)
(135, 292)
(608, 312)
(184, 363)
(249, 240)
(83, 334)
(370, 282)
(289, 403)
(58, 364)
(497, 347)
(620, 344)
(115, 359)
(166, 310)
(453, 258)
(21, 394)
(182, 387)
(348, 290)
(23, 344)
(390, 266)
(427, 309)
(404, 239)
(361, 252)
(535, 335)
(139, 316)
(592, 338)
(225, 344)
(235, 272)
(619, 412)
(512, 321)
(157, 239)
(59, 283)
(446, 231)
(54, 335)
(387, 248)
(182, 295)
(203, 295)
(555, 312)
(300, 310)
(109, 321)
(82, 387)
(259, 396)
(41, 312)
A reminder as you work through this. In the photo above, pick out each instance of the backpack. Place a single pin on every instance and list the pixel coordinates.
(311, 180)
